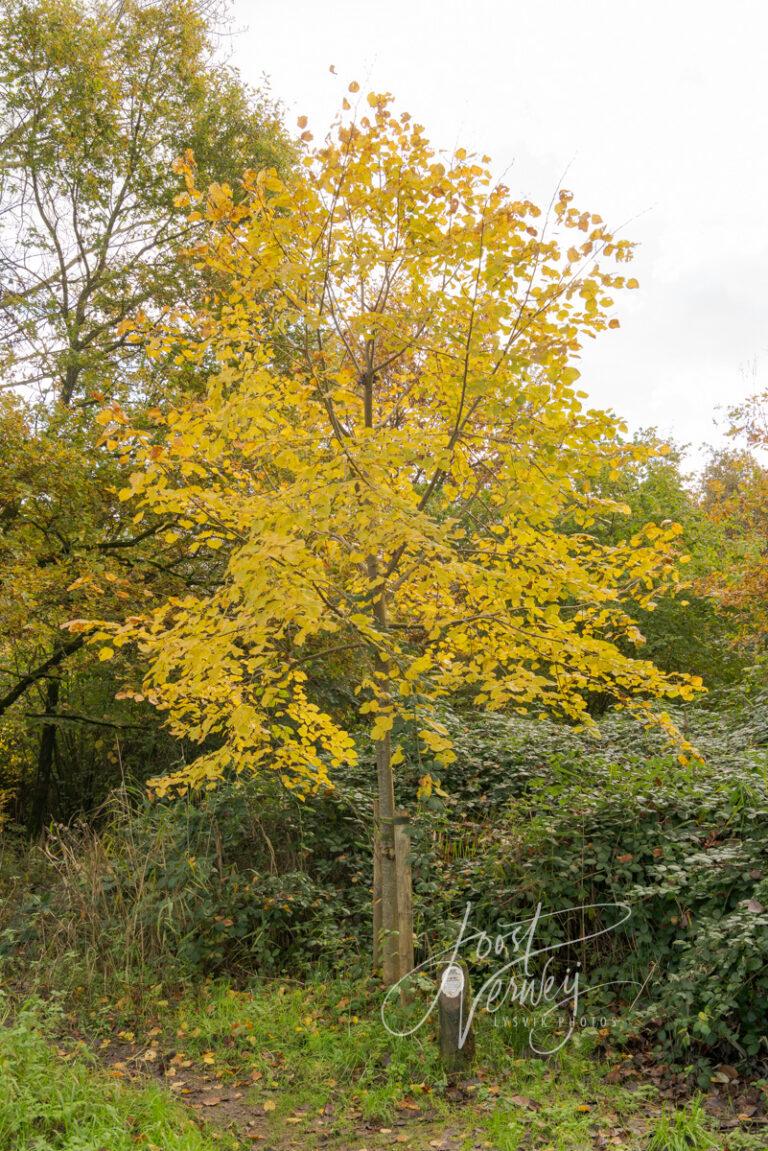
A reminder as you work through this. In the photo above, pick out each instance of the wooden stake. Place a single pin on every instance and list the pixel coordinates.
(455, 1007)
(390, 956)
(377, 916)
(404, 892)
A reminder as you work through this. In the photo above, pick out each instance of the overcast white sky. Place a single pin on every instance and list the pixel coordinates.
(660, 111)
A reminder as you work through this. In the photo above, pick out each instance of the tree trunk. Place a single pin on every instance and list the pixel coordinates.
(388, 949)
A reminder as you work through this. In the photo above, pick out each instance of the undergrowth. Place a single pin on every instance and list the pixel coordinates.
(248, 882)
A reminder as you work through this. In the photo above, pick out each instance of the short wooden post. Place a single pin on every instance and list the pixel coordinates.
(404, 892)
(377, 910)
(457, 1040)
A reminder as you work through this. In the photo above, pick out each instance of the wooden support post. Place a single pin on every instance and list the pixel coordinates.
(457, 1040)
(377, 915)
(390, 955)
(404, 892)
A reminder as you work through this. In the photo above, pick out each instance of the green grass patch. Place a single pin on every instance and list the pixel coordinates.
(313, 1062)
(52, 1101)
(320, 1049)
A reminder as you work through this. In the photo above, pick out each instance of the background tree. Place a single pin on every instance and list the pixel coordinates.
(96, 101)
(695, 631)
(734, 491)
(389, 445)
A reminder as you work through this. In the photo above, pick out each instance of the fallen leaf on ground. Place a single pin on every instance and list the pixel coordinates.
(525, 1101)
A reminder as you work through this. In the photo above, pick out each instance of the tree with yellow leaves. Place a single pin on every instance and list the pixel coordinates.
(394, 460)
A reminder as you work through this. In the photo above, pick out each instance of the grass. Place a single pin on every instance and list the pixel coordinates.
(315, 1068)
(315, 1060)
(322, 1045)
(682, 1130)
(50, 1102)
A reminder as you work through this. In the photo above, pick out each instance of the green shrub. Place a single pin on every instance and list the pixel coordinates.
(239, 879)
(685, 846)
(248, 880)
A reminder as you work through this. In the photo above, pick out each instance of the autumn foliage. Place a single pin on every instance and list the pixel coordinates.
(394, 459)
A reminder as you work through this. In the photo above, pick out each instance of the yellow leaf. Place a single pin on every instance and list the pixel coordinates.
(382, 725)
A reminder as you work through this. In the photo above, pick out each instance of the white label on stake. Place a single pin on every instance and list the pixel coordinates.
(452, 983)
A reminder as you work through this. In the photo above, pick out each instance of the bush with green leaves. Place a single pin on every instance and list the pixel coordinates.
(686, 847)
(243, 879)
(249, 880)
